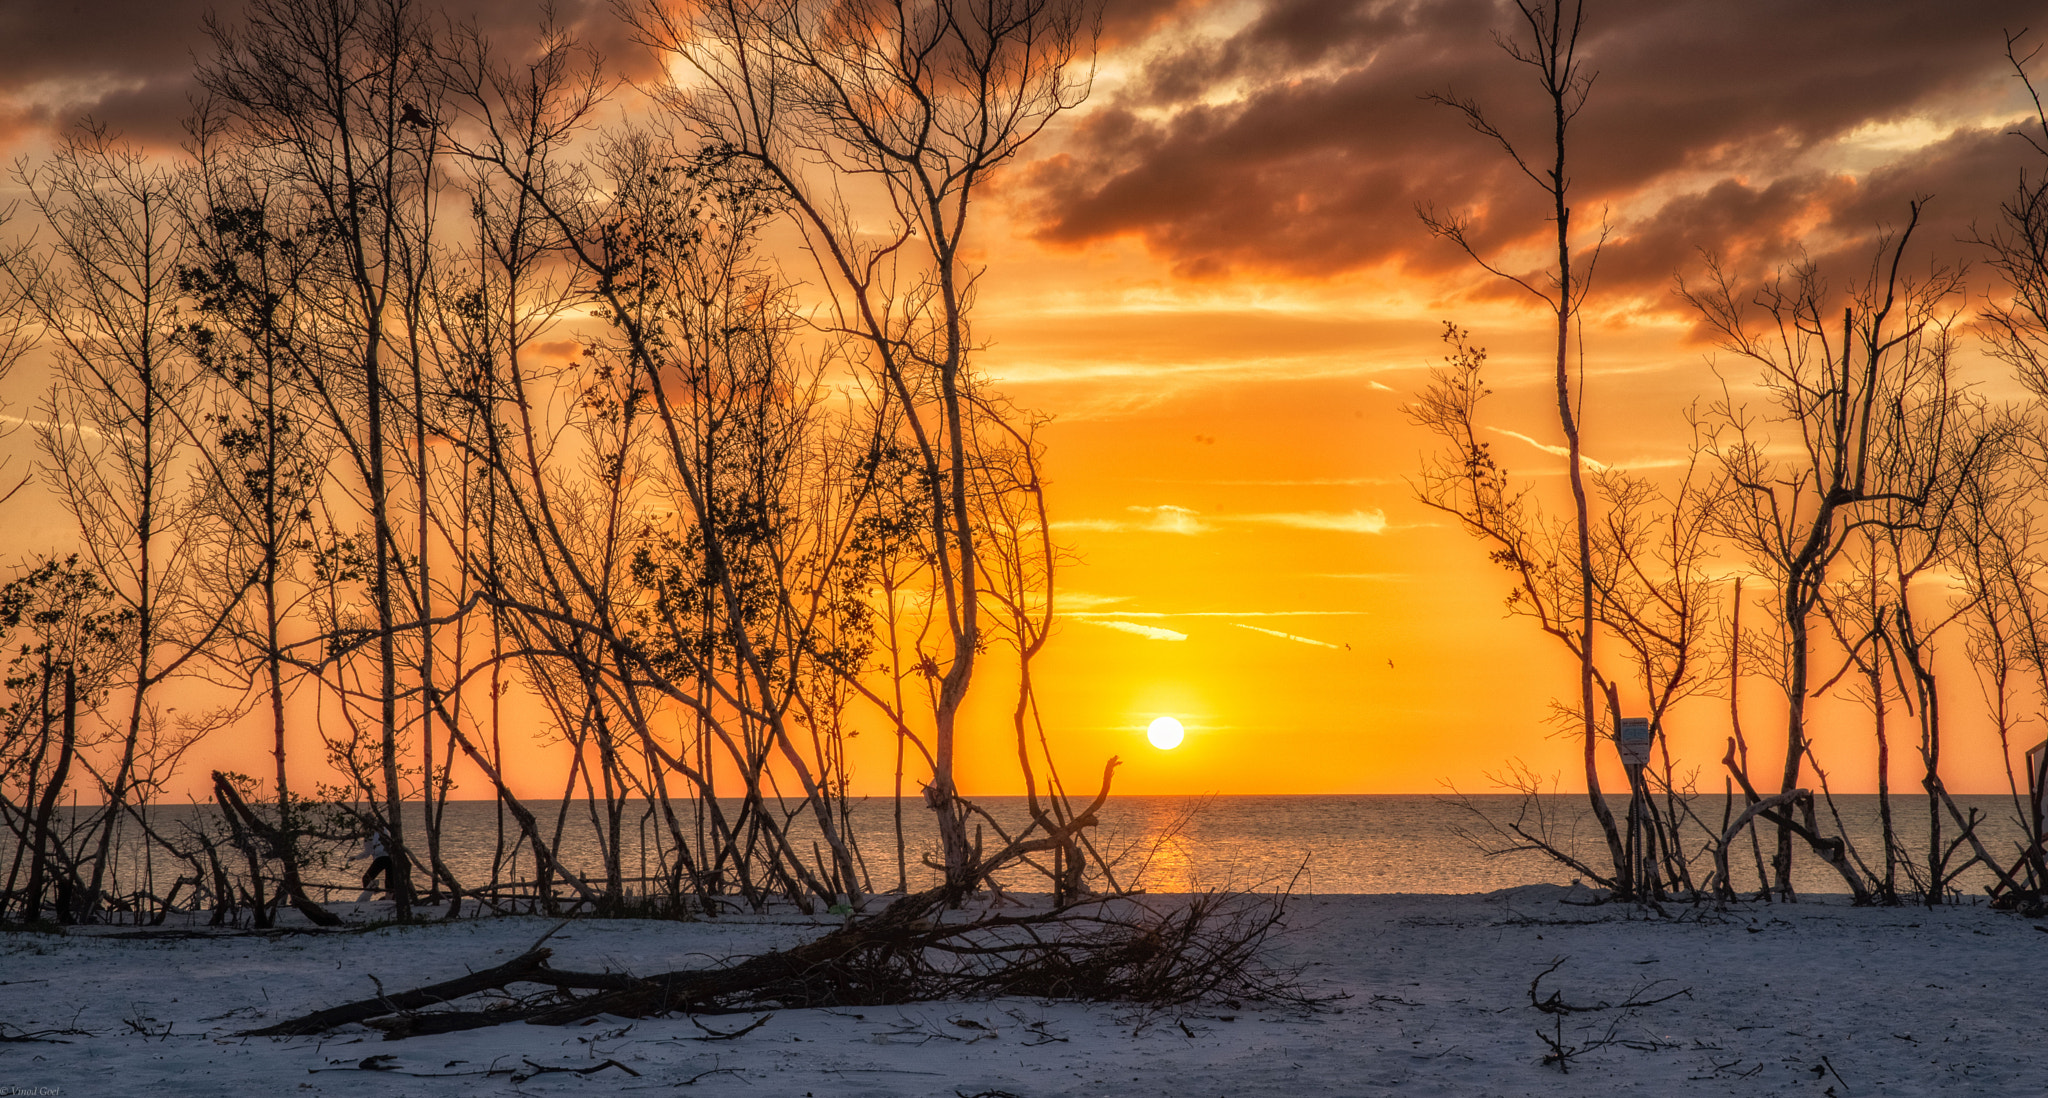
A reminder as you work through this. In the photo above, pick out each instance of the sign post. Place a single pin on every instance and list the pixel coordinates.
(1632, 741)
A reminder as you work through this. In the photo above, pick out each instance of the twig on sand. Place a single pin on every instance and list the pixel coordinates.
(593, 1069)
(1560, 1053)
(734, 1072)
(720, 1035)
(39, 1036)
(1555, 1004)
(1838, 1075)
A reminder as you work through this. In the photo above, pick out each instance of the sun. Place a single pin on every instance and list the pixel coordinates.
(1165, 733)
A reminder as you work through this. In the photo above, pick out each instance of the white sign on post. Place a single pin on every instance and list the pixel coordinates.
(1632, 740)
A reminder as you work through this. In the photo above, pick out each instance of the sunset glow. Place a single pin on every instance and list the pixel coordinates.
(1211, 279)
(952, 533)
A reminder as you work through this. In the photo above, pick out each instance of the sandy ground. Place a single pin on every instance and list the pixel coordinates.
(1816, 998)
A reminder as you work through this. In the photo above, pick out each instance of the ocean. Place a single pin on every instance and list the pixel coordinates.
(1364, 844)
(1311, 844)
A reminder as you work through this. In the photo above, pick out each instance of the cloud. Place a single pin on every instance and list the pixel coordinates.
(1222, 614)
(1082, 600)
(1149, 632)
(1106, 526)
(1559, 451)
(11, 420)
(130, 63)
(1350, 522)
(1162, 519)
(1291, 636)
(1296, 141)
(1169, 519)
(1311, 482)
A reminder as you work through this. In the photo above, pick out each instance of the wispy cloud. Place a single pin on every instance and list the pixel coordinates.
(1108, 526)
(1309, 482)
(1149, 632)
(1169, 519)
(1173, 376)
(46, 425)
(1163, 519)
(1082, 601)
(1379, 386)
(1373, 577)
(1290, 636)
(1560, 451)
(1089, 615)
(1352, 522)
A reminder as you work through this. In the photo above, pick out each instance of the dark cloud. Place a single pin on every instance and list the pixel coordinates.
(1302, 143)
(1132, 20)
(129, 63)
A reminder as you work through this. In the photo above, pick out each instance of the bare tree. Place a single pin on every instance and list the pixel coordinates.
(1831, 384)
(331, 104)
(262, 447)
(2002, 558)
(1648, 575)
(69, 639)
(115, 430)
(921, 102)
(1551, 50)
(2017, 246)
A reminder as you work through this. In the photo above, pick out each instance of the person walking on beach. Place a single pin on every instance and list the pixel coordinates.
(380, 862)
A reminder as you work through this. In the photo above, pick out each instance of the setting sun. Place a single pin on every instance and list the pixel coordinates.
(1165, 733)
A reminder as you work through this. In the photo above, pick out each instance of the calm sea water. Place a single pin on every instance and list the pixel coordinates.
(1315, 844)
(1318, 844)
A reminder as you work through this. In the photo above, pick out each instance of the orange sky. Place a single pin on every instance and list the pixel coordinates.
(1213, 277)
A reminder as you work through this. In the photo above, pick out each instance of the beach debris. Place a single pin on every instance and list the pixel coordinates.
(1143, 951)
(1561, 1053)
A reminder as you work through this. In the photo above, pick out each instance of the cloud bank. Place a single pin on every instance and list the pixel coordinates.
(1298, 142)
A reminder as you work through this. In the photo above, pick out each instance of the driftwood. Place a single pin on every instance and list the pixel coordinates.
(1833, 851)
(1117, 950)
(530, 967)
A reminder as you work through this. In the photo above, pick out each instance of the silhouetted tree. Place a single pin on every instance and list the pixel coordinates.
(1841, 388)
(922, 101)
(328, 103)
(115, 427)
(1551, 50)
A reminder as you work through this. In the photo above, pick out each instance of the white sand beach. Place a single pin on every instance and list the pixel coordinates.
(1814, 998)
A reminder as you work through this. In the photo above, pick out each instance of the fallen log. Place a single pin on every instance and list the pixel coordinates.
(1110, 951)
(619, 994)
(698, 989)
(519, 968)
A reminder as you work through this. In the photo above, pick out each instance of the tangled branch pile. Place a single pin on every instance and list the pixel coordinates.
(1119, 950)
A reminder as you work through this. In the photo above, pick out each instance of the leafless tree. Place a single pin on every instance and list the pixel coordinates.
(1648, 573)
(330, 104)
(1999, 557)
(114, 431)
(2002, 560)
(69, 639)
(1551, 50)
(918, 102)
(1831, 385)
